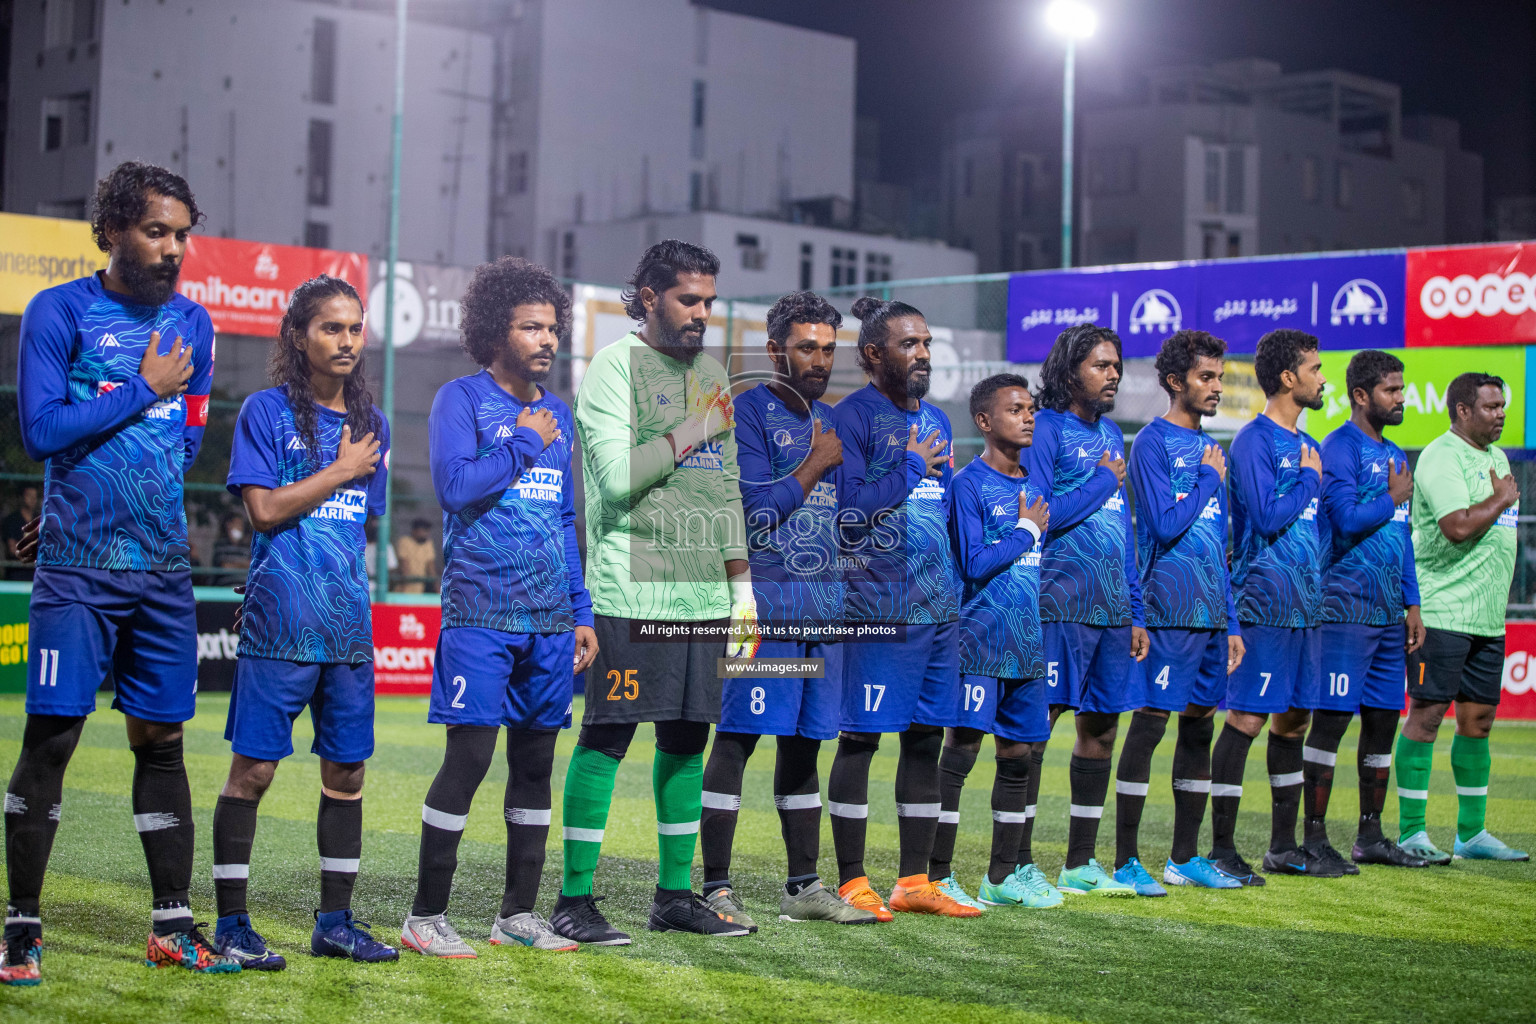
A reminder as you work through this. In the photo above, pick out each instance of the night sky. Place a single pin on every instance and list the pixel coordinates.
(920, 61)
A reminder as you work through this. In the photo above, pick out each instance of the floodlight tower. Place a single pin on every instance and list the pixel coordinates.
(1072, 21)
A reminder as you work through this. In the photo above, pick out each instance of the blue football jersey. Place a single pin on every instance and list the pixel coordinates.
(894, 517)
(113, 452)
(1370, 575)
(999, 569)
(1088, 569)
(1181, 530)
(1277, 549)
(510, 558)
(306, 596)
(791, 535)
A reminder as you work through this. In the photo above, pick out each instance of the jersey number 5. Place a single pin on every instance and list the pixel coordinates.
(630, 685)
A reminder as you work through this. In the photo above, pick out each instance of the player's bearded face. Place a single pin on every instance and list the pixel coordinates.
(680, 315)
(1310, 382)
(906, 364)
(807, 359)
(1387, 401)
(147, 256)
(532, 341)
(1098, 378)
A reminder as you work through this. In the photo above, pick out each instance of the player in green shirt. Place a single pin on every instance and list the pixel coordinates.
(1464, 540)
(667, 570)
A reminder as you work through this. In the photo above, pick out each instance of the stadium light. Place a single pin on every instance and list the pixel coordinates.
(1072, 21)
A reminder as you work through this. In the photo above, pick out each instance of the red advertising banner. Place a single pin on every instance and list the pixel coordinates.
(245, 285)
(1472, 295)
(404, 646)
(1519, 697)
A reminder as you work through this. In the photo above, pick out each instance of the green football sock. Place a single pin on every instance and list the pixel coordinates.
(1414, 760)
(1470, 764)
(588, 794)
(679, 785)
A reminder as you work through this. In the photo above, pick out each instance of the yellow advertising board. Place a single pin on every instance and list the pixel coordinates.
(40, 252)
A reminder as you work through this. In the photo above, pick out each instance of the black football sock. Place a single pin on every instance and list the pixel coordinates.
(1089, 783)
(162, 812)
(797, 795)
(33, 801)
(234, 832)
(1283, 758)
(722, 803)
(1318, 758)
(955, 763)
(1026, 854)
(848, 804)
(917, 799)
(1133, 775)
(1229, 759)
(1010, 796)
(1191, 784)
(339, 834)
(526, 807)
(466, 758)
(1378, 728)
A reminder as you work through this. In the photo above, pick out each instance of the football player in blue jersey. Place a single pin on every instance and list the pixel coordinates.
(900, 667)
(790, 456)
(114, 373)
(1178, 473)
(1277, 566)
(517, 618)
(1090, 595)
(1370, 620)
(995, 526)
(308, 461)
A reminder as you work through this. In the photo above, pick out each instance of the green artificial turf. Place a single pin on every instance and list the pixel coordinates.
(1443, 944)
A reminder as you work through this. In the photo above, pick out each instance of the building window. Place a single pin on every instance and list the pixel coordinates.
(1112, 171)
(1235, 182)
(517, 173)
(695, 191)
(319, 191)
(66, 121)
(317, 235)
(1343, 185)
(753, 255)
(568, 255)
(1024, 250)
(68, 21)
(845, 266)
(877, 267)
(66, 209)
(1413, 200)
(1310, 179)
(1024, 185)
(696, 121)
(322, 62)
(807, 266)
(1212, 180)
(967, 177)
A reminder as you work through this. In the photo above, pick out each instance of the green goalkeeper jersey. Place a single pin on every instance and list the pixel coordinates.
(658, 532)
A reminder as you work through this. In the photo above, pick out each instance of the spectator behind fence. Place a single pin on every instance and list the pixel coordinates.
(417, 556)
(13, 524)
(233, 548)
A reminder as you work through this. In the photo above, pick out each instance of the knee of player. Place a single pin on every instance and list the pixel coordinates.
(965, 738)
(142, 731)
(341, 781)
(248, 779)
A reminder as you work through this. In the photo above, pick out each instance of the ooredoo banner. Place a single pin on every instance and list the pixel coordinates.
(245, 286)
(1472, 295)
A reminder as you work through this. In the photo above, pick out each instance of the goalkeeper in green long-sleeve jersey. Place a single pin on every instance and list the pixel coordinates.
(671, 589)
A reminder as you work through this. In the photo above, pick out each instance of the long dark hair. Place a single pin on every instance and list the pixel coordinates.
(290, 365)
(1058, 375)
(874, 315)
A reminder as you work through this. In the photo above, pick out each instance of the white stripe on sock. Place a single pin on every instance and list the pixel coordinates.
(1378, 760)
(1123, 788)
(1029, 812)
(1315, 756)
(1470, 791)
(1225, 789)
(19, 919)
(1413, 794)
(1192, 785)
(581, 835)
(231, 871)
(720, 801)
(1010, 817)
(677, 828)
(949, 817)
(340, 865)
(1288, 779)
(155, 821)
(443, 820)
(526, 815)
(918, 810)
(1086, 811)
(171, 914)
(797, 801)
(848, 810)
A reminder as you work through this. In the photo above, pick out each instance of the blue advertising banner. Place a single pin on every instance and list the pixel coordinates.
(1349, 302)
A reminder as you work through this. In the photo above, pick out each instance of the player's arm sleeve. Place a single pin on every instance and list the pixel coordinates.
(378, 483)
(50, 422)
(1253, 474)
(733, 532)
(1438, 483)
(1166, 517)
(1234, 628)
(253, 452)
(581, 599)
(1341, 494)
(460, 476)
(617, 466)
(198, 388)
(1132, 573)
(979, 560)
(1068, 508)
(766, 504)
(1410, 575)
(866, 499)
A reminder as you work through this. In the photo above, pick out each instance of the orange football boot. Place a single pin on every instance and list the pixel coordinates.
(916, 895)
(857, 893)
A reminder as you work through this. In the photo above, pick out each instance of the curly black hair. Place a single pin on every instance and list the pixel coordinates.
(800, 308)
(987, 388)
(1463, 391)
(659, 268)
(873, 315)
(290, 365)
(1180, 353)
(123, 196)
(1367, 368)
(494, 293)
(1058, 374)
(1277, 352)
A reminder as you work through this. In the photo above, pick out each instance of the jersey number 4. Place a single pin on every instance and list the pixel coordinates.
(627, 681)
